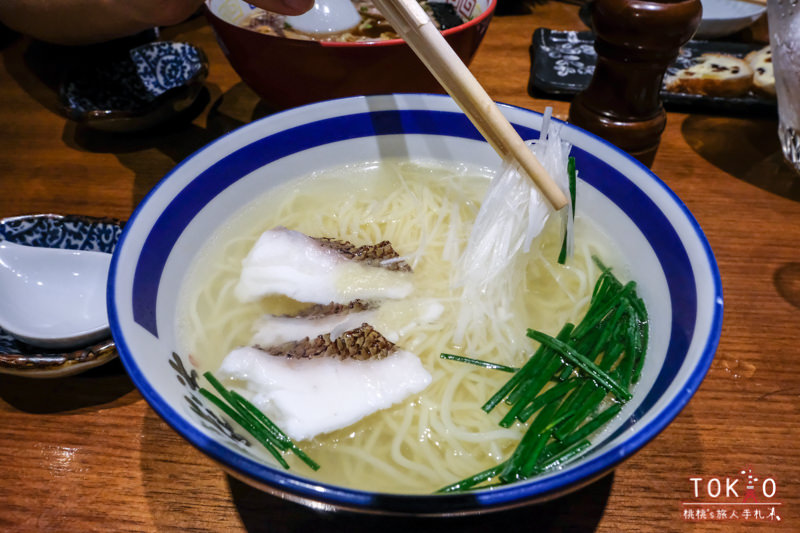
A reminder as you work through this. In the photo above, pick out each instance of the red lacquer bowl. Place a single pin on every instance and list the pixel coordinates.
(289, 72)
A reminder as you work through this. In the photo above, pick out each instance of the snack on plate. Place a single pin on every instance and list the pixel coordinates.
(763, 76)
(713, 75)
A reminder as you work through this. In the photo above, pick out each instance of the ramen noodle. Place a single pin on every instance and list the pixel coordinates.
(434, 432)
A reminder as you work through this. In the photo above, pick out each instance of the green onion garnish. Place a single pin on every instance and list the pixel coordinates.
(552, 394)
(572, 177)
(566, 455)
(253, 430)
(602, 355)
(473, 480)
(581, 360)
(478, 362)
(275, 430)
(527, 369)
(255, 422)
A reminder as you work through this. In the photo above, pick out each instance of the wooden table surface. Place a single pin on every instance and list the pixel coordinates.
(86, 453)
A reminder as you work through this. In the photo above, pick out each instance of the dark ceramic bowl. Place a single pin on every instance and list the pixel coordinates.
(289, 72)
(136, 88)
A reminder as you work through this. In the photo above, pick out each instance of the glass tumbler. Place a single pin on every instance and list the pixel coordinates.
(783, 18)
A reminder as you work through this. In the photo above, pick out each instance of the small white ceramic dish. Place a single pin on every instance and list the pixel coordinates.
(53, 297)
(724, 17)
(668, 255)
(69, 232)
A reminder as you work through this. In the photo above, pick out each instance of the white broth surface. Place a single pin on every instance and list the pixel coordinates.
(425, 209)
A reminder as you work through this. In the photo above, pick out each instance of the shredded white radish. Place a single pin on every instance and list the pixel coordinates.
(512, 215)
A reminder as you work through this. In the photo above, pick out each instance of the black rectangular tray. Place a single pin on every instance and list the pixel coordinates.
(562, 64)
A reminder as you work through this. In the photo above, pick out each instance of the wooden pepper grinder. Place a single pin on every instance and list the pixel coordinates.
(635, 41)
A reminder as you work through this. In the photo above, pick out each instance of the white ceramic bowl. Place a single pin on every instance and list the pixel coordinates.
(670, 259)
(724, 17)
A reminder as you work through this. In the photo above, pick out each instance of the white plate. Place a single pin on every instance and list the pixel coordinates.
(724, 17)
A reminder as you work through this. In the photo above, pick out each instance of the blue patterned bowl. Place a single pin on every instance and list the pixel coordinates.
(136, 89)
(56, 231)
(663, 245)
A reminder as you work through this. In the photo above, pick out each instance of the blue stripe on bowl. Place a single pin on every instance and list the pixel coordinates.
(634, 202)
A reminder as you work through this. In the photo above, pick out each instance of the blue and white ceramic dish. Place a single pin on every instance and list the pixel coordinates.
(136, 88)
(668, 253)
(57, 231)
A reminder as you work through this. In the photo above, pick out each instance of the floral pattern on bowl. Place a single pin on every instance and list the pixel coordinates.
(57, 231)
(136, 89)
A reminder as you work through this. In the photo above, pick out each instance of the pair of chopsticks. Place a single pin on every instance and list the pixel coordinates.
(411, 21)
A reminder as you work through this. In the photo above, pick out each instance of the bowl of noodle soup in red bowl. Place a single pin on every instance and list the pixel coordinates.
(286, 71)
(379, 194)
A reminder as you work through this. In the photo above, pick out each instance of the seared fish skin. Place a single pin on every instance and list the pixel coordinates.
(310, 322)
(308, 269)
(319, 311)
(361, 343)
(377, 255)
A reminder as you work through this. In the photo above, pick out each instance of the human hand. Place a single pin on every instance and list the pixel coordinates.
(170, 12)
(284, 7)
(93, 21)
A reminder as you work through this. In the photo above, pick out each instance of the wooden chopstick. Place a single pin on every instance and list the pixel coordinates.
(411, 21)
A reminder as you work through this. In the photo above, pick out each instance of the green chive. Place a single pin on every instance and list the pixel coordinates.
(219, 387)
(581, 361)
(596, 314)
(613, 334)
(547, 363)
(592, 401)
(576, 402)
(644, 337)
(532, 458)
(478, 362)
(275, 430)
(278, 439)
(566, 372)
(585, 430)
(565, 455)
(606, 333)
(600, 264)
(255, 422)
(247, 426)
(476, 479)
(528, 390)
(528, 444)
(553, 393)
(572, 177)
(624, 371)
(524, 458)
(611, 356)
(243, 404)
(605, 284)
(529, 367)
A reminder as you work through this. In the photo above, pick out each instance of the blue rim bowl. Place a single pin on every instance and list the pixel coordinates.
(668, 254)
